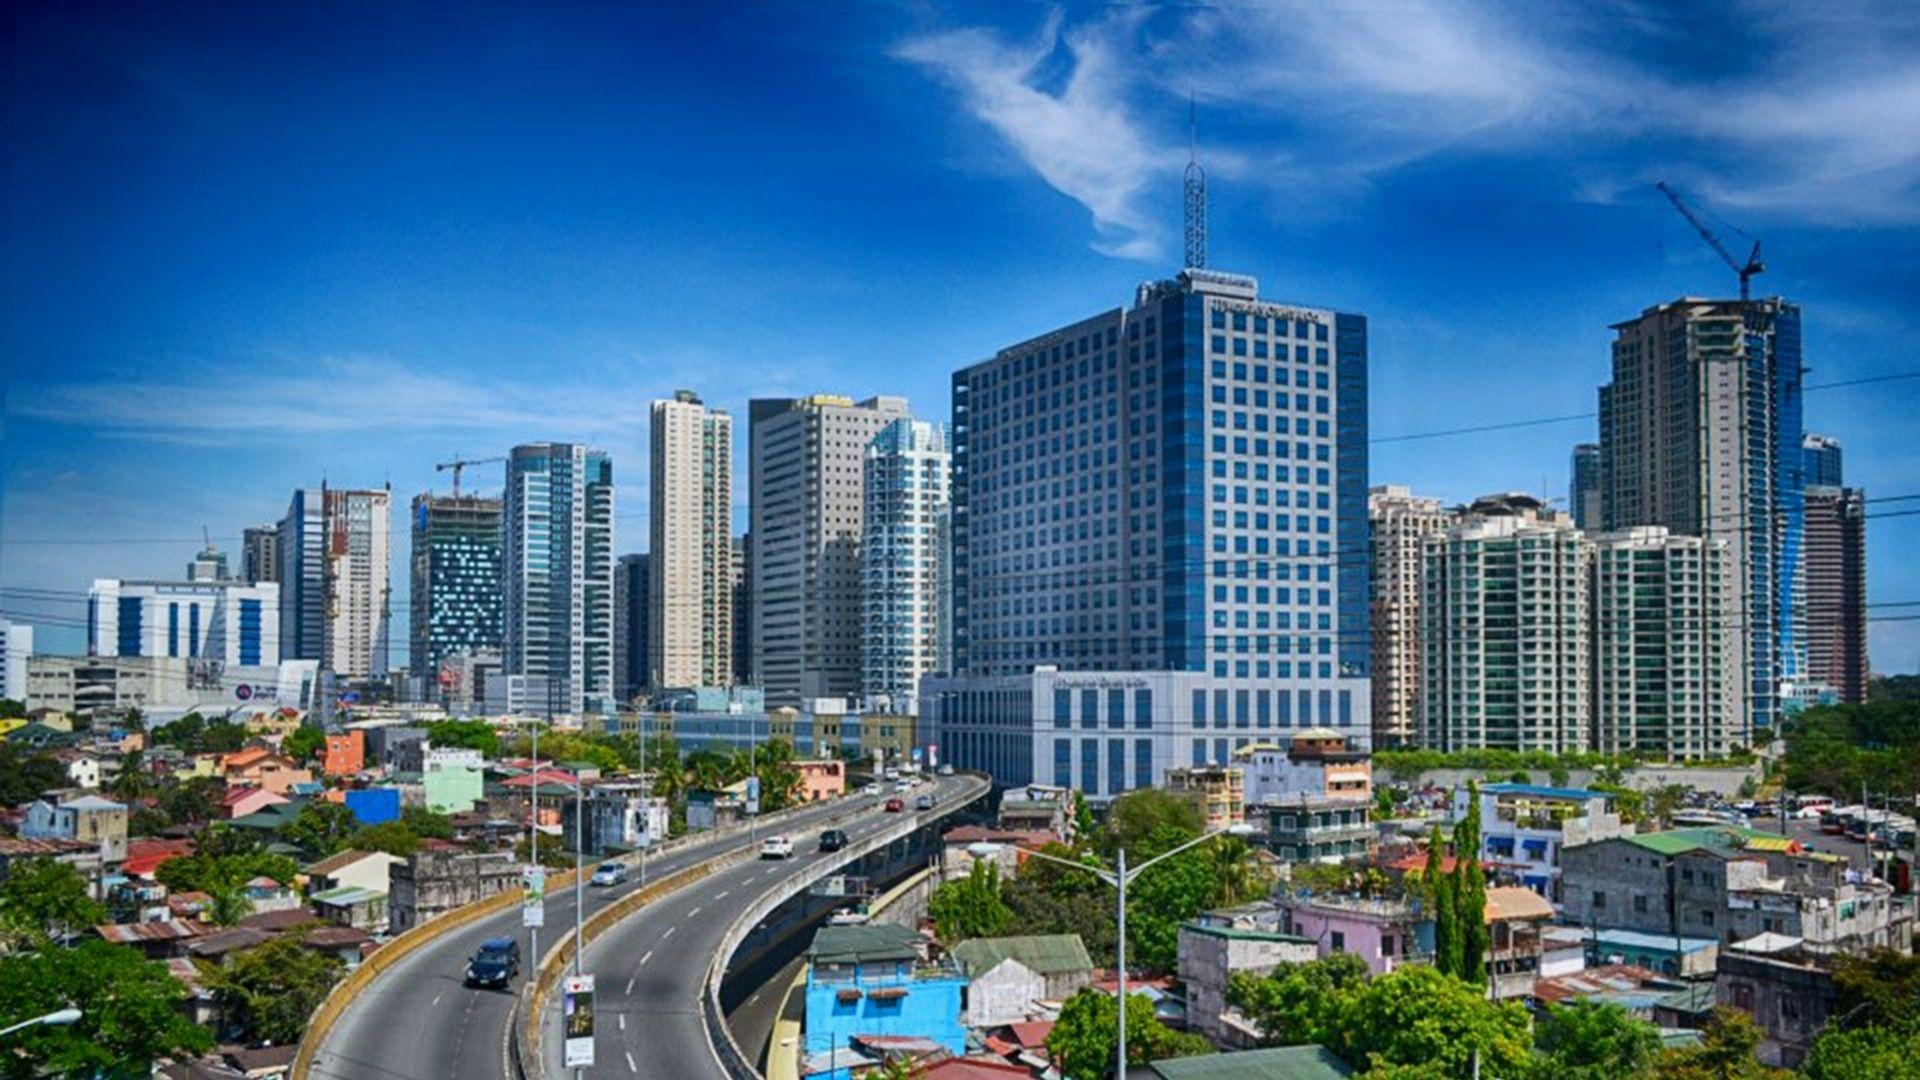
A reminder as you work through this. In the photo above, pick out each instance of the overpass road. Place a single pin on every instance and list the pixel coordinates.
(650, 970)
(418, 1021)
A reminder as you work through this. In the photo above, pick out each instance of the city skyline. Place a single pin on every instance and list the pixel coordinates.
(204, 389)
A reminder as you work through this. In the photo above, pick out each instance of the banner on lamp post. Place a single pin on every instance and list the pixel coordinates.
(577, 1015)
(533, 896)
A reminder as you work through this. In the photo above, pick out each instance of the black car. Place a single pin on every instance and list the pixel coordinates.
(833, 840)
(497, 963)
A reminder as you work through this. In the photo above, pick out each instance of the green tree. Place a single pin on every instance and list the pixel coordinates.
(971, 906)
(1238, 873)
(304, 743)
(193, 801)
(1882, 987)
(271, 991)
(1084, 826)
(1298, 1003)
(25, 776)
(1415, 1016)
(1163, 897)
(1047, 898)
(224, 877)
(465, 734)
(427, 824)
(1592, 1041)
(392, 837)
(1447, 945)
(1469, 900)
(42, 899)
(1558, 775)
(12, 709)
(1725, 1052)
(1868, 1053)
(1083, 1040)
(553, 852)
(1147, 821)
(321, 828)
(129, 1012)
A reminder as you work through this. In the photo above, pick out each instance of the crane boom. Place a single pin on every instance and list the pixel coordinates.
(459, 464)
(1746, 270)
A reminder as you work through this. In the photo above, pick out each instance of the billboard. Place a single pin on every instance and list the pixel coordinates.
(753, 794)
(577, 1016)
(533, 895)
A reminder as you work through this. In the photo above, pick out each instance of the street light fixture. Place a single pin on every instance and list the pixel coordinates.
(1119, 877)
(59, 1017)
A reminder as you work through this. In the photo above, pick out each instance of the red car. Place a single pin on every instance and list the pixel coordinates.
(894, 806)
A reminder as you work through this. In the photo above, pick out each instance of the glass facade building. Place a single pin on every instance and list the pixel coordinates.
(557, 558)
(456, 598)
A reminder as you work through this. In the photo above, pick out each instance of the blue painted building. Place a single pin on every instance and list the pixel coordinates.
(373, 806)
(232, 622)
(871, 981)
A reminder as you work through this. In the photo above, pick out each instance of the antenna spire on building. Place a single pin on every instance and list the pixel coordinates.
(1196, 192)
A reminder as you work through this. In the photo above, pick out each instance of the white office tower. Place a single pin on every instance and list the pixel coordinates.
(230, 623)
(1401, 523)
(690, 542)
(557, 556)
(335, 549)
(1504, 628)
(1666, 651)
(900, 554)
(16, 647)
(806, 498)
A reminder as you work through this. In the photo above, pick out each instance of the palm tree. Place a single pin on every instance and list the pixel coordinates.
(1239, 874)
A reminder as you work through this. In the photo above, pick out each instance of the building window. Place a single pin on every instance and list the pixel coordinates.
(1599, 900)
(1339, 940)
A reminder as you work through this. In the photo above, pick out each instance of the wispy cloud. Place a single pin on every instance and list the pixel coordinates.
(1817, 122)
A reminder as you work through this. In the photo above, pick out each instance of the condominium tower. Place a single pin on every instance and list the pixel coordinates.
(260, 554)
(1504, 631)
(906, 496)
(1583, 487)
(456, 602)
(1823, 461)
(1836, 577)
(1401, 523)
(1666, 671)
(807, 468)
(557, 559)
(16, 648)
(335, 566)
(1700, 431)
(690, 604)
(632, 625)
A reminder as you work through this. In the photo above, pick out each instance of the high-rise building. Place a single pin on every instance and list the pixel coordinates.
(456, 597)
(906, 495)
(1151, 513)
(1583, 487)
(227, 622)
(209, 565)
(632, 622)
(691, 544)
(335, 576)
(743, 610)
(16, 648)
(557, 564)
(1401, 523)
(1666, 670)
(806, 494)
(1504, 631)
(260, 554)
(1822, 461)
(1700, 431)
(1836, 577)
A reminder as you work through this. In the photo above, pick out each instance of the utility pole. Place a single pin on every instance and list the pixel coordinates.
(533, 852)
(1120, 964)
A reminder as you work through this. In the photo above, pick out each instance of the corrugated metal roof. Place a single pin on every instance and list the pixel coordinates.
(863, 944)
(1047, 954)
(1310, 1062)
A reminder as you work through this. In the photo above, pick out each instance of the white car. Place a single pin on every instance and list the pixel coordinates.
(776, 847)
(611, 873)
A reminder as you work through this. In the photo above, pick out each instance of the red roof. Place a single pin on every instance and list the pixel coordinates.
(145, 856)
(547, 776)
(1032, 1034)
(1616, 977)
(175, 930)
(973, 834)
(972, 1068)
(1417, 862)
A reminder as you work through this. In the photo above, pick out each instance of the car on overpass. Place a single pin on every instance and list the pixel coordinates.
(495, 963)
(833, 839)
(609, 873)
(894, 806)
(776, 847)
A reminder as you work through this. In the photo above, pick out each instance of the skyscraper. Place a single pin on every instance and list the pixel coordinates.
(209, 565)
(557, 561)
(906, 493)
(1401, 523)
(805, 498)
(1504, 631)
(1836, 578)
(1666, 672)
(690, 641)
(260, 554)
(743, 609)
(16, 647)
(335, 568)
(1152, 510)
(1583, 487)
(456, 597)
(227, 622)
(1822, 462)
(1700, 431)
(632, 623)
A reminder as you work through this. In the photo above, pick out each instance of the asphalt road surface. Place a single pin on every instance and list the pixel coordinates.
(418, 1021)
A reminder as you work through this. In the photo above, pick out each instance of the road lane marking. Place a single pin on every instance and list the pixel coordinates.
(668, 932)
(646, 956)
(723, 894)
(631, 1067)
(437, 997)
(623, 1021)
(694, 912)
(630, 985)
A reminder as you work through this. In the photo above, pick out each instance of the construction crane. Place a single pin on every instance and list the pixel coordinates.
(458, 464)
(1753, 264)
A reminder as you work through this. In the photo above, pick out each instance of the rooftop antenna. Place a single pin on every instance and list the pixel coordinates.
(1196, 192)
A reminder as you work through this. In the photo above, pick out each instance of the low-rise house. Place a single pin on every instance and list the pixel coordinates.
(453, 779)
(1788, 991)
(820, 779)
(156, 940)
(238, 802)
(1211, 953)
(432, 883)
(346, 754)
(351, 868)
(268, 895)
(1310, 829)
(83, 857)
(348, 944)
(1006, 976)
(962, 845)
(874, 981)
(1515, 917)
(262, 768)
(1384, 931)
(1730, 883)
(1219, 790)
(620, 816)
(1308, 1062)
(1527, 825)
(1316, 763)
(352, 905)
(1685, 957)
(1637, 990)
(89, 819)
(83, 767)
(1038, 808)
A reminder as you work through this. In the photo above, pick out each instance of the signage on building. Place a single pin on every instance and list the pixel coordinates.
(1100, 682)
(533, 896)
(577, 1015)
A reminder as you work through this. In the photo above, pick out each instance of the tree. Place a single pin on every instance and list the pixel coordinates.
(1047, 898)
(321, 828)
(465, 734)
(1163, 897)
(224, 877)
(427, 824)
(271, 990)
(392, 837)
(193, 801)
(1239, 876)
(1558, 775)
(1415, 1016)
(1882, 987)
(1082, 1041)
(1591, 1041)
(1725, 1052)
(1147, 821)
(971, 906)
(1298, 1003)
(129, 1012)
(12, 709)
(1868, 1053)
(1470, 894)
(25, 776)
(553, 852)
(42, 899)
(1665, 801)
(1439, 887)
(304, 743)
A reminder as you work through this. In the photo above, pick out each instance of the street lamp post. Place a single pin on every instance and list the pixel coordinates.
(61, 1016)
(1120, 877)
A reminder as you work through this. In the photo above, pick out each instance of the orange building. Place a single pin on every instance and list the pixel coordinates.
(346, 754)
(824, 779)
(261, 768)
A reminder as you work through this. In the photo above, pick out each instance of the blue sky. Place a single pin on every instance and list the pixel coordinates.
(249, 249)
